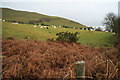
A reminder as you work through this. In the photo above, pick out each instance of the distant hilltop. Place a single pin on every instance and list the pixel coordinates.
(37, 19)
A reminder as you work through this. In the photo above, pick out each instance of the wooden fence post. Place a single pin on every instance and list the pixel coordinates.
(80, 70)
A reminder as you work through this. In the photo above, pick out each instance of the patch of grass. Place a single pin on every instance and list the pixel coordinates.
(21, 31)
(97, 38)
(88, 38)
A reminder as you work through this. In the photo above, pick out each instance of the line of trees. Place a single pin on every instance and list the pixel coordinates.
(40, 20)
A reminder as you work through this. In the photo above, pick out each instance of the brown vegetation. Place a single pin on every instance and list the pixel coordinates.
(34, 59)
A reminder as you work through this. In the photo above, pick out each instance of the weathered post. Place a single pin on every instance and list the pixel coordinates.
(80, 70)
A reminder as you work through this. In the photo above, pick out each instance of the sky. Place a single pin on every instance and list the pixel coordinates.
(87, 12)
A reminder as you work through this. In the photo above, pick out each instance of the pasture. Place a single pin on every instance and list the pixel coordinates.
(27, 31)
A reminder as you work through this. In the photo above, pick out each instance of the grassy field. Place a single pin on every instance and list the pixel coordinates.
(89, 38)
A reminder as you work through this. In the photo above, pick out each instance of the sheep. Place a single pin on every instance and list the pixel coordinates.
(4, 20)
(35, 26)
(106, 31)
(113, 33)
(86, 28)
(91, 30)
(41, 27)
(54, 26)
(82, 28)
(111, 30)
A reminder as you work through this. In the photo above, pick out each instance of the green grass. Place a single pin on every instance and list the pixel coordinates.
(88, 38)
(24, 16)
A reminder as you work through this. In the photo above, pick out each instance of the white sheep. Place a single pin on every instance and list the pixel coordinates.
(113, 33)
(41, 27)
(82, 28)
(45, 26)
(54, 26)
(35, 26)
(92, 30)
(106, 31)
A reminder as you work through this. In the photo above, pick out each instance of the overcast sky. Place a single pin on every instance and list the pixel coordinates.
(87, 12)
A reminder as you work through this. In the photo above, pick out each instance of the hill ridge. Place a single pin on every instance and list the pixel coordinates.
(27, 16)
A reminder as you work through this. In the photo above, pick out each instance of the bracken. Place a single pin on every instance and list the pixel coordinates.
(34, 59)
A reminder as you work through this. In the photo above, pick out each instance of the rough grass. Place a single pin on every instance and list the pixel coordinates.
(23, 31)
(24, 59)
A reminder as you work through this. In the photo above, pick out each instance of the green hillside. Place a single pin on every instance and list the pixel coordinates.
(23, 31)
(27, 17)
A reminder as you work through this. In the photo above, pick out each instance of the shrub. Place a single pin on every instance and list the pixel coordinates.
(66, 26)
(10, 38)
(67, 37)
(45, 24)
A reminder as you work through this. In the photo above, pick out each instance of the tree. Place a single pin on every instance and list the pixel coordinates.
(118, 26)
(67, 37)
(110, 21)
